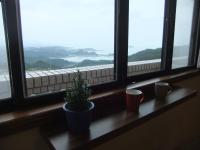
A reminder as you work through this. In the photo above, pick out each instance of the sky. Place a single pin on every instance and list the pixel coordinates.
(146, 24)
(90, 23)
(2, 37)
(3, 58)
(183, 24)
(70, 23)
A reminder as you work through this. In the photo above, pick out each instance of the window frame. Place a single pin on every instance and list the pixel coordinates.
(12, 22)
(4, 103)
(168, 35)
(193, 33)
(15, 55)
(193, 36)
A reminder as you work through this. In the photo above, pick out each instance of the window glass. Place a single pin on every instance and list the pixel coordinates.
(145, 36)
(62, 36)
(183, 27)
(5, 90)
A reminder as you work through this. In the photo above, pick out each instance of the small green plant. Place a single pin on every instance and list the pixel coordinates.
(77, 96)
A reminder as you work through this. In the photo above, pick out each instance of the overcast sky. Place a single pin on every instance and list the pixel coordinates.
(90, 23)
(2, 40)
(2, 37)
(71, 23)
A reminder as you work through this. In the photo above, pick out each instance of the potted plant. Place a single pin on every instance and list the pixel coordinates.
(78, 108)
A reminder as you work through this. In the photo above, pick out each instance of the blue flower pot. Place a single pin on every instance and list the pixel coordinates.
(79, 122)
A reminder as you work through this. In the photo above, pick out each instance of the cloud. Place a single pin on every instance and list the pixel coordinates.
(75, 23)
(90, 23)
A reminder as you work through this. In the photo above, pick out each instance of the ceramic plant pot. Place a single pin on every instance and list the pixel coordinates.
(79, 121)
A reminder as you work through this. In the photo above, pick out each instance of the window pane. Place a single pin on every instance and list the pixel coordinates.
(145, 36)
(183, 26)
(62, 36)
(5, 90)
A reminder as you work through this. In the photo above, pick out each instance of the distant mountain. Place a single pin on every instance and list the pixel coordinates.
(45, 52)
(147, 54)
(84, 52)
(45, 58)
(46, 64)
(57, 52)
(150, 54)
(93, 63)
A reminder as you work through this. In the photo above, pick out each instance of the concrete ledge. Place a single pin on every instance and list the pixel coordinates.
(5, 91)
(39, 82)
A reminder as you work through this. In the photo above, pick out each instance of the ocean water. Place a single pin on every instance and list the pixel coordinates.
(81, 58)
(101, 55)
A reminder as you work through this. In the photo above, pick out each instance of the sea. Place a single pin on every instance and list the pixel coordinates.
(81, 58)
(101, 55)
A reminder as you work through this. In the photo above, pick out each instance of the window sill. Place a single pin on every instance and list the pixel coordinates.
(37, 116)
(110, 126)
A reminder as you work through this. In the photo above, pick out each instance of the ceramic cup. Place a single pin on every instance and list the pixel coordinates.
(161, 90)
(133, 99)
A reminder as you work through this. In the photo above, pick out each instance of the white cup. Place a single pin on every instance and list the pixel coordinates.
(161, 90)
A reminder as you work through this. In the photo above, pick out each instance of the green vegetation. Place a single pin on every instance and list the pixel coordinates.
(77, 96)
(46, 58)
(147, 54)
(93, 63)
(46, 64)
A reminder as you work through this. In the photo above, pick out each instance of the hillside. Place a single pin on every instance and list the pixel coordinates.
(45, 58)
(57, 52)
(147, 54)
(93, 63)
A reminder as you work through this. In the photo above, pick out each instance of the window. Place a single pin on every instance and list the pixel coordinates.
(5, 90)
(94, 36)
(62, 36)
(183, 28)
(145, 36)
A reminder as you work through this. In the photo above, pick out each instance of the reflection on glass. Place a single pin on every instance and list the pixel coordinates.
(183, 26)
(145, 36)
(5, 90)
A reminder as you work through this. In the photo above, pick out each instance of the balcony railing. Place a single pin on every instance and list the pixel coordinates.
(39, 82)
